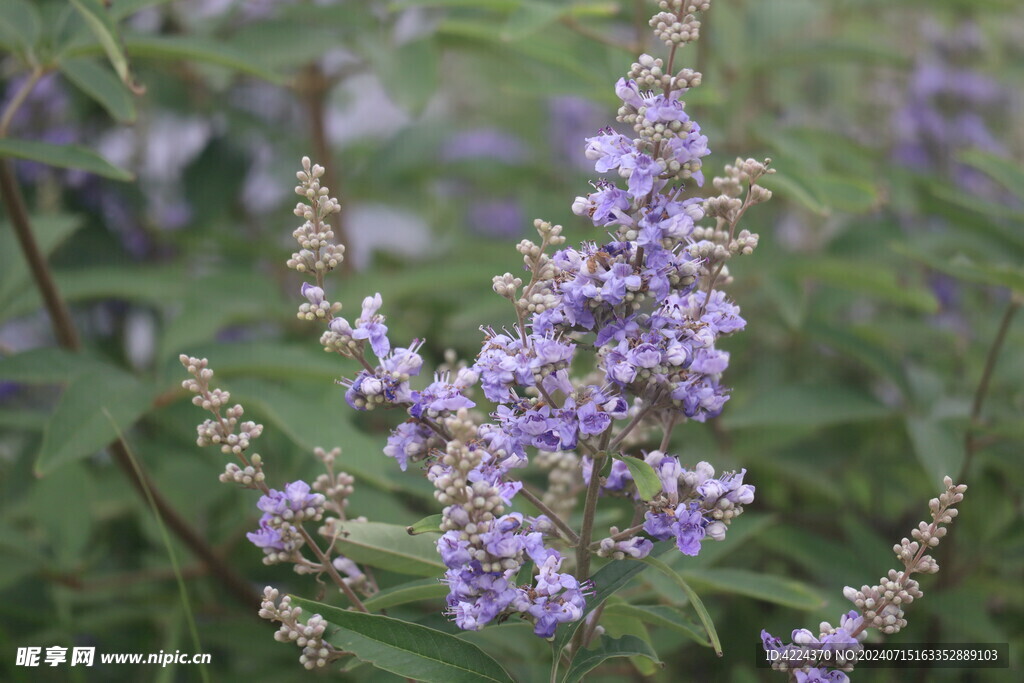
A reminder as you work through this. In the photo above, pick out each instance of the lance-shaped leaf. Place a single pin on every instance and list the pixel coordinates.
(62, 156)
(102, 86)
(414, 591)
(663, 616)
(644, 476)
(607, 580)
(607, 648)
(698, 605)
(105, 30)
(390, 547)
(427, 525)
(407, 649)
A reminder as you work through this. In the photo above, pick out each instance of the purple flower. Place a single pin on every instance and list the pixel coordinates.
(295, 501)
(592, 420)
(643, 170)
(408, 440)
(370, 326)
(266, 537)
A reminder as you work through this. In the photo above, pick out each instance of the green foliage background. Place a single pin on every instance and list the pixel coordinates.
(855, 383)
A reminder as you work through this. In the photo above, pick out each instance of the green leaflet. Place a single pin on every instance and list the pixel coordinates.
(407, 649)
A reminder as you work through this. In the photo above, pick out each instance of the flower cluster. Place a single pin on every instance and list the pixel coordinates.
(642, 305)
(880, 606)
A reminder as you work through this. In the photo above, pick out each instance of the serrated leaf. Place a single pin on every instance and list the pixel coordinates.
(407, 649)
(414, 591)
(63, 156)
(427, 525)
(81, 424)
(775, 589)
(607, 648)
(389, 546)
(100, 85)
(103, 27)
(644, 476)
(664, 616)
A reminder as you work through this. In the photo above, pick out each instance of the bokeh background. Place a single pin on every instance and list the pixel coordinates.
(883, 292)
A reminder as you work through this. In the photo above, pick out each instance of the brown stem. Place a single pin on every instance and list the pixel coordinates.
(67, 337)
(60, 317)
(970, 442)
(316, 87)
(570, 535)
(628, 533)
(235, 584)
(326, 563)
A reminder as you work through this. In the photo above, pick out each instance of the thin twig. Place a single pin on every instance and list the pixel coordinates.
(570, 535)
(67, 337)
(970, 443)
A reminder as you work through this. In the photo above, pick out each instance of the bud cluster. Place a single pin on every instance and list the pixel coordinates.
(309, 636)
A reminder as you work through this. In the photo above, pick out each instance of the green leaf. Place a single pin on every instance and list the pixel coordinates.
(410, 72)
(775, 589)
(790, 187)
(1006, 172)
(47, 365)
(390, 547)
(805, 406)
(531, 16)
(607, 648)
(414, 591)
(313, 417)
(82, 421)
(100, 85)
(644, 476)
(963, 268)
(607, 581)
(407, 649)
(698, 605)
(103, 27)
(19, 24)
(63, 156)
(50, 232)
(939, 450)
(664, 616)
(872, 280)
(202, 50)
(121, 9)
(427, 525)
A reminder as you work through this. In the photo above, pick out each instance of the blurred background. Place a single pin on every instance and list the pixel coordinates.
(882, 349)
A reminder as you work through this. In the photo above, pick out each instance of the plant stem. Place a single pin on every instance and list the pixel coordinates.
(570, 535)
(589, 508)
(67, 337)
(316, 87)
(631, 531)
(19, 99)
(641, 414)
(970, 443)
(326, 563)
(60, 317)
